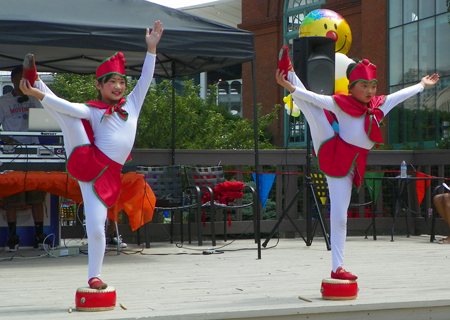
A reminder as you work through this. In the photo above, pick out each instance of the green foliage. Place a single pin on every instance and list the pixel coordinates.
(78, 88)
(74, 88)
(444, 144)
(200, 124)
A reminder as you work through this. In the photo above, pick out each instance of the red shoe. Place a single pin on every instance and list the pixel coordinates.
(96, 283)
(29, 69)
(284, 63)
(341, 274)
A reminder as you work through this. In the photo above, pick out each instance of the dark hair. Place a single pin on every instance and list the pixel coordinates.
(350, 68)
(105, 79)
(16, 70)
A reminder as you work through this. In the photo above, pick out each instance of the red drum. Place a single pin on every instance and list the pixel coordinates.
(334, 289)
(87, 299)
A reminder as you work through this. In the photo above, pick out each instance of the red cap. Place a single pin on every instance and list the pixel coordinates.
(363, 71)
(114, 64)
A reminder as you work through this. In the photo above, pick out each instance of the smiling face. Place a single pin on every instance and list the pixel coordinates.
(363, 91)
(112, 89)
(327, 23)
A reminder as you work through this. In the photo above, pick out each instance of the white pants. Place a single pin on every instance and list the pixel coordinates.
(96, 213)
(340, 188)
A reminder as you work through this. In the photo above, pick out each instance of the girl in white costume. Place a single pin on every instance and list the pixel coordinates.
(99, 142)
(342, 156)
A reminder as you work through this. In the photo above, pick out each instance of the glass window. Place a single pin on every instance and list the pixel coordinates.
(442, 45)
(427, 42)
(426, 8)
(441, 6)
(419, 45)
(410, 12)
(443, 109)
(395, 56)
(396, 122)
(427, 104)
(395, 13)
(410, 62)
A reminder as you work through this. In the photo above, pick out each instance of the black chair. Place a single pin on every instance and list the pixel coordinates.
(208, 178)
(166, 184)
(364, 198)
(440, 189)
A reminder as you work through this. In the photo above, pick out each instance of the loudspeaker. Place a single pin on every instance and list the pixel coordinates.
(314, 63)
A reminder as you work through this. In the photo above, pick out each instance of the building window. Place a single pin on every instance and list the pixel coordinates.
(294, 13)
(419, 42)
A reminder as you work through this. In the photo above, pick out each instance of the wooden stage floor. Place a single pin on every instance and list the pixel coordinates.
(405, 279)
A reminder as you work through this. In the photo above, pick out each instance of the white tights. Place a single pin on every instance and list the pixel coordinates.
(340, 188)
(96, 213)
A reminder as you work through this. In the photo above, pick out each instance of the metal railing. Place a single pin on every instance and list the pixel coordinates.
(289, 165)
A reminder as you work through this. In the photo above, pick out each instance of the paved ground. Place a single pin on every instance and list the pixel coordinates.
(170, 282)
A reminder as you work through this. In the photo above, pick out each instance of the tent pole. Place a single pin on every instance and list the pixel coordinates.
(173, 113)
(255, 134)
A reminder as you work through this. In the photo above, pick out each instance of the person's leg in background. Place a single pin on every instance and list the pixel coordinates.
(113, 235)
(36, 199)
(11, 204)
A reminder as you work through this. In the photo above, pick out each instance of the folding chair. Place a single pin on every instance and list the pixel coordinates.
(166, 184)
(210, 180)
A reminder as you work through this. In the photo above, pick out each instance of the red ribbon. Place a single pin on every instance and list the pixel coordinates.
(111, 109)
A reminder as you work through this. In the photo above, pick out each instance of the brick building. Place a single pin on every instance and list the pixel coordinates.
(407, 39)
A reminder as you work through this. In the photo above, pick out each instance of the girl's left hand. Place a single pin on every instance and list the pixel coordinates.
(429, 81)
(28, 90)
(279, 76)
(152, 38)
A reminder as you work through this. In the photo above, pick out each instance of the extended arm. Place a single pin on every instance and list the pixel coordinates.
(53, 102)
(137, 96)
(152, 38)
(398, 97)
(299, 93)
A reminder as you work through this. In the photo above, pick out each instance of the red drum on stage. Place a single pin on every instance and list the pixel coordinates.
(87, 299)
(334, 289)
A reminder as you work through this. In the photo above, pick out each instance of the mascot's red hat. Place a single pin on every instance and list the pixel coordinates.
(113, 65)
(363, 71)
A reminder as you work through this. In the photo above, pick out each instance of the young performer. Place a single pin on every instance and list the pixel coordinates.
(99, 136)
(342, 156)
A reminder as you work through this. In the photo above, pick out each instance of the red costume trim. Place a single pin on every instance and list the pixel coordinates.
(87, 163)
(337, 158)
(110, 109)
(374, 115)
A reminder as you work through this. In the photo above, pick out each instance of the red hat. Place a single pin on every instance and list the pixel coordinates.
(114, 64)
(363, 71)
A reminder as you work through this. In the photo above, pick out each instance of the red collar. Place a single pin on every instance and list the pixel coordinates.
(372, 113)
(110, 109)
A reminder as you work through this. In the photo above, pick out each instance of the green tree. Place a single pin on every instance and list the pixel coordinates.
(200, 124)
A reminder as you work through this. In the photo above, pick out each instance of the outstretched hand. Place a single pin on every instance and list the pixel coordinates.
(152, 38)
(28, 90)
(279, 75)
(429, 81)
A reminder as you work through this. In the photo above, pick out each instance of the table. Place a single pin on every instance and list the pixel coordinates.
(136, 197)
(399, 185)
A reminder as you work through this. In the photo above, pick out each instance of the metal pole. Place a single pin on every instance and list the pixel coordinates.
(255, 137)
